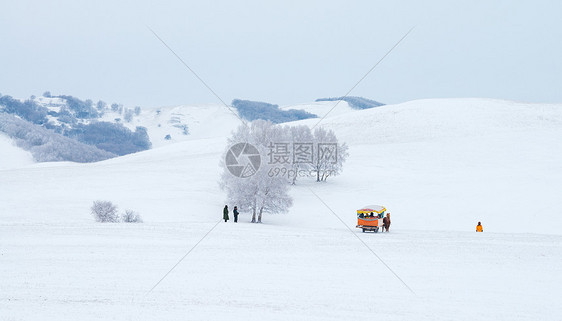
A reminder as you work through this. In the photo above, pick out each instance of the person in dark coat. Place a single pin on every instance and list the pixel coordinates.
(386, 222)
(235, 211)
(225, 213)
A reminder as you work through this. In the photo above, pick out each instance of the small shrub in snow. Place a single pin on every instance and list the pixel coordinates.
(184, 129)
(168, 137)
(105, 212)
(131, 217)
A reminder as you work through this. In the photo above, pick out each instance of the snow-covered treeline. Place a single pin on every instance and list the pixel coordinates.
(252, 110)
(355, 102)
(48, 146)
(79, 120)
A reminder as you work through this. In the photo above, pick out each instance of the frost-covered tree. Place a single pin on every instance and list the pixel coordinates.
(82, 109)
(261, 192)
(303, 150)
(137, 110)
(329, 155)
(258, 194)
(104, 212)
(28, 109)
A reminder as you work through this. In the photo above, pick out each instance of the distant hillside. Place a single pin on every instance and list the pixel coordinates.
(252, 110)
(77, 120)
(355, 102)
(46, 145)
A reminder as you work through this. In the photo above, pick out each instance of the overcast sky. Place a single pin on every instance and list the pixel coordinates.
(281, 52)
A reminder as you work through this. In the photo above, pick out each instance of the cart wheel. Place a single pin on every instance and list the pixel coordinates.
(376, 229)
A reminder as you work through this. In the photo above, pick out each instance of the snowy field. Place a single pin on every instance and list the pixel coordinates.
(12, 156)
(439, 166)
(274, 272)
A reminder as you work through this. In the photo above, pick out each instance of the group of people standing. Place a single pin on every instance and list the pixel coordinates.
(225, 214)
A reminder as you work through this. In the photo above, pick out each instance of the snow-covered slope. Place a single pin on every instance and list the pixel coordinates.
(456, 161)
(322, 108)
(435, 119)
(439, 166)
(12, 156)
(207, 120)
(444, 164)
(202, 122)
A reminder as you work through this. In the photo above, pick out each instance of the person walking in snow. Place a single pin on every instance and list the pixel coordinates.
(479, 227)
(386, 222)
(225, 213)
(235, 212)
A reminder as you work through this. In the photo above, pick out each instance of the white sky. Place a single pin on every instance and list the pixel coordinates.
(281, 52)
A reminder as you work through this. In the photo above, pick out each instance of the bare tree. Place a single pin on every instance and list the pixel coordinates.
(131, 216)
(329, 154)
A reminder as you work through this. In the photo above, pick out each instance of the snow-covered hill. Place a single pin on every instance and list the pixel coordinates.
(439, 166)
(436, 119)
(202, 122)
(322, 108)
(12, 156)
(456, 161)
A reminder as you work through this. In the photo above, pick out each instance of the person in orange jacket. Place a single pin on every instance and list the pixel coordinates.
(479, 227)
